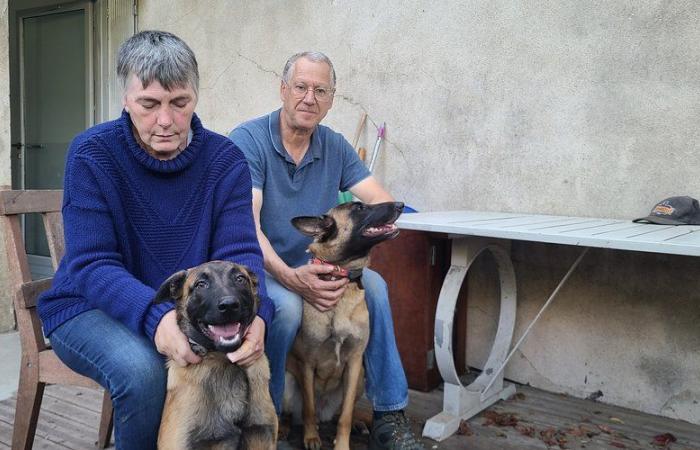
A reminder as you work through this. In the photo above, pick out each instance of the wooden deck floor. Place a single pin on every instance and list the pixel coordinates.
(539, 420)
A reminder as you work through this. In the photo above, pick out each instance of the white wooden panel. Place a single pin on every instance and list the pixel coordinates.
(690, 239)
(629, 233)
(580, 231)
(587, 224)
(600, 229)
(662, 235)
(535, 223)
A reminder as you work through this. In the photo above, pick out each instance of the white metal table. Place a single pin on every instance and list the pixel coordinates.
(473, 232)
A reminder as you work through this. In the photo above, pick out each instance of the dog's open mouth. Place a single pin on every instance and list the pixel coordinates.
(224, 335)
(380, 230)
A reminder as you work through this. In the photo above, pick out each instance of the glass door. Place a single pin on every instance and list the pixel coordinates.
(56, 104)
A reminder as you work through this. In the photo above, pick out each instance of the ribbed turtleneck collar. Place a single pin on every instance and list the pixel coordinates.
(180, 162)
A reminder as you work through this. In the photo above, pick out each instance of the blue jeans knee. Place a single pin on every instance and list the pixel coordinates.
(127, 365)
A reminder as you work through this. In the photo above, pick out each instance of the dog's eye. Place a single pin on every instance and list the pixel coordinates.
(201, 284)
(240, 279)
(359, 206)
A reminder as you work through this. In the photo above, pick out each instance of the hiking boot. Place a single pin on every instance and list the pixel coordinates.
(392, 431)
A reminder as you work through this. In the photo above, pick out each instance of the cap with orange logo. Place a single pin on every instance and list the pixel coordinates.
(674, 211)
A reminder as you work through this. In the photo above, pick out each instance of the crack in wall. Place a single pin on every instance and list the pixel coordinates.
(536, 372)
(259, 66)
(183, 16)
(351, 101)
(218, 77)
(226, 69)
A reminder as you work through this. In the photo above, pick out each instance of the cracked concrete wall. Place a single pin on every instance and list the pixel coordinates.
(571, 108)
(7, 318)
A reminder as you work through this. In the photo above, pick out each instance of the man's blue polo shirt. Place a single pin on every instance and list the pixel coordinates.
(310, 189)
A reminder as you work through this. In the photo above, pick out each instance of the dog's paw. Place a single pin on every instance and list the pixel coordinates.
(312, 441)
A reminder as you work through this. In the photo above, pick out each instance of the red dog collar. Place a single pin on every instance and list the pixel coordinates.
(339, 272)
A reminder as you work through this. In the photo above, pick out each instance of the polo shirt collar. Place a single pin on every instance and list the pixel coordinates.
(314, 151)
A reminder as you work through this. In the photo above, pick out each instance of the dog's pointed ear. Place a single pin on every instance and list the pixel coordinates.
(171, 289)
(314, 226)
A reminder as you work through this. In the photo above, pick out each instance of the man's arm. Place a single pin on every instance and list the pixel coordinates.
(303, 280)
(370, 191)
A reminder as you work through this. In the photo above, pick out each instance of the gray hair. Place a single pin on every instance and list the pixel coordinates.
(288, 71)
(158, 56)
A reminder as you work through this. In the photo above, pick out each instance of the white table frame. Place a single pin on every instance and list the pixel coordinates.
(473, 233)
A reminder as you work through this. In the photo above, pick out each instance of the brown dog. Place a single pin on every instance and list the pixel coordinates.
(326, 358)
(216, 404)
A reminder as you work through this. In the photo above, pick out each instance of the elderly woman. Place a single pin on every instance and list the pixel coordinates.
(146, 195)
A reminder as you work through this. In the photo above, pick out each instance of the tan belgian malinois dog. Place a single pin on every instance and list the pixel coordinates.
(326, 358)
(216, 404)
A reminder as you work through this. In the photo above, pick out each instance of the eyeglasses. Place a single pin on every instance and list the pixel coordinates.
(322, 94)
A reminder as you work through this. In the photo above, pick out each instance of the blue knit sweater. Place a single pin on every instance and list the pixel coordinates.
(131, 220)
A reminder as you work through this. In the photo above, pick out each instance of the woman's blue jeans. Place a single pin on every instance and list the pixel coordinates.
(128, 366)
(385, 380)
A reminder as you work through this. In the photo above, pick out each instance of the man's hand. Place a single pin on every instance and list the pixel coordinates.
(172, 342)
(253, 344)
(322, 295)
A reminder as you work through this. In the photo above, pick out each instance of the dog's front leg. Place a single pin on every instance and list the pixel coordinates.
(312, 440)
(260, 431)
(351, 378)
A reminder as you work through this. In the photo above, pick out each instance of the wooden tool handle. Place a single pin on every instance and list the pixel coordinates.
(362, 153)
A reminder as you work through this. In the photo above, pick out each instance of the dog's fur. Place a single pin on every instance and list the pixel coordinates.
(326, 358)
(216, 404)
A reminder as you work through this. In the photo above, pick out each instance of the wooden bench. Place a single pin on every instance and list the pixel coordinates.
(475, 232)
(39, 364)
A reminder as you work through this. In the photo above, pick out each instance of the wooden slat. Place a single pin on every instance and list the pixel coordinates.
(53, 225)
(32, 289)
(22, 202)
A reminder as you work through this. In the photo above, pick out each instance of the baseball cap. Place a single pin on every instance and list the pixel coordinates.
(682, 210)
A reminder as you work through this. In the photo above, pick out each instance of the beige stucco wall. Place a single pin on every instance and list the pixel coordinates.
(568, 107)
(573, 108)
(7, 319)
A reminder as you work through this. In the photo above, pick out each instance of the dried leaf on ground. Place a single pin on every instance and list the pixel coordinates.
(553, 437)
(464, 429)
(605, 429)
(616, 420)
(526, 430)
(581, 431)
(500, 420)
(662, 440)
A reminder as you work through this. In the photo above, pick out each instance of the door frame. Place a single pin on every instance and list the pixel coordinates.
(89, 66)
(41, 266)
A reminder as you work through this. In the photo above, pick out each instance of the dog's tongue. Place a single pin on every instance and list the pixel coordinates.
(226, 331)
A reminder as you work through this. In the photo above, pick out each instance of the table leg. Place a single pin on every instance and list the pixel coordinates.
(462, 402)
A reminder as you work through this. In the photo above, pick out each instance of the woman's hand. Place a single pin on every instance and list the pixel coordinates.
(172, 342)
(253, 345)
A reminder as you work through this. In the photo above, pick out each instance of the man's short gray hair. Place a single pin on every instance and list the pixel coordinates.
(158, 56)
(288, 71)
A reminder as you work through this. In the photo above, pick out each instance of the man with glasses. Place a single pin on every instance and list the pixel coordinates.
(297, 168)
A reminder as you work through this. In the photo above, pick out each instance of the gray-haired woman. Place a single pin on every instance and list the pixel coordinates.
(146, 195)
